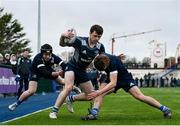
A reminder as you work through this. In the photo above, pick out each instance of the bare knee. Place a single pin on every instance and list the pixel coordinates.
(140, 97)
(68, 88)
(31, 92)
(136, 93)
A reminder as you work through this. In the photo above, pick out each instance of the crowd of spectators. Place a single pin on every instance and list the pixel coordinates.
(20, 65)
(149, 81)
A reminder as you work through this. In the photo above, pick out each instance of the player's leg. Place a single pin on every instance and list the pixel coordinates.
(86, 88)
(136, 93)
(31, 90)
(60, 80)
(26, 84)
(93, 112)
(20, 88)
(69, 82)
(85, 84)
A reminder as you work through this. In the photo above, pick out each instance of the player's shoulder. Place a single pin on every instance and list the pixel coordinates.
(99, 45)
(37, 57)
(82, 40)
(56, 57)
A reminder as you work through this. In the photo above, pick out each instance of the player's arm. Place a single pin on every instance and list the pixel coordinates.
(45, 73)
(108, 87)
(121, 56)
(61, 63)
(111, 84)
(67, 38)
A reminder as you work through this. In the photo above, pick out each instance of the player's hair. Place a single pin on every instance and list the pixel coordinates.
(97, 28)
(101, 62)
(46, 48)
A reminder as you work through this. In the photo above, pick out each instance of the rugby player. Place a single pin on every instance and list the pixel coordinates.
(86, 49)
(41, 67)
(118, 77)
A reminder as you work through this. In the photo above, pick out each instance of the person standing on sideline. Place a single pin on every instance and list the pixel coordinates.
(86, 49)
(23, 69)
(41, 67)
(118, 77)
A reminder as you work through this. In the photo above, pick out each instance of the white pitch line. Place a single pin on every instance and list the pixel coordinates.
(25, 115)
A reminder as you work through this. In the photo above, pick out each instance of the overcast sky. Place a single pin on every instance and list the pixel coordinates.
(116, 16)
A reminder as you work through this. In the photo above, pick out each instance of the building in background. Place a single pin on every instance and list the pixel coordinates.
(157, 54)
(177, 55)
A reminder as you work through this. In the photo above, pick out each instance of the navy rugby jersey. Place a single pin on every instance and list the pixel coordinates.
(83, 54)
(38, 62)
(116, 65)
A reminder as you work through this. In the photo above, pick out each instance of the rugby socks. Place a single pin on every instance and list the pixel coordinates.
(71, 98)
(55, 109)
(94, 111)
(164, 108)
(19, 102)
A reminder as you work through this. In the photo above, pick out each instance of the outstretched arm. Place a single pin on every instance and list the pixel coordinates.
(107, 88)
(67, 38)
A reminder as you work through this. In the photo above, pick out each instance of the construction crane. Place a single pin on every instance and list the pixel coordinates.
(128, 35)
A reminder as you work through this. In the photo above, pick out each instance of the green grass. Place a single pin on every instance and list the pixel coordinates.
(117, 109)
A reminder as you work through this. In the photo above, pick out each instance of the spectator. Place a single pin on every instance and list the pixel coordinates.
(141, 82)
(175, 81)
(161, 82)
(172, 82)
(23, 66)
(137, 81)
(1, 59)
(13, 59)
(7, 59)
(153, 82)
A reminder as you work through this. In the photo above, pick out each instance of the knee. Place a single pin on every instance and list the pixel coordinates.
(140, 97)
(68, 88)
(31, 92)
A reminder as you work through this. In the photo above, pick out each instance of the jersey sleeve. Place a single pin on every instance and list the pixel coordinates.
(102, 49)
(38, 63)
(40, 66)
(59, 61)
(113, 67)
(76, 43)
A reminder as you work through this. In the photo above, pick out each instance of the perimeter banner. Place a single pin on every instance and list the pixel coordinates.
(7, 81)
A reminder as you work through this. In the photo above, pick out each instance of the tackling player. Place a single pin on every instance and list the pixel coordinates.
(118, 77)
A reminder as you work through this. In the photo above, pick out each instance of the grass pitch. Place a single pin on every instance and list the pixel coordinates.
(117, 109)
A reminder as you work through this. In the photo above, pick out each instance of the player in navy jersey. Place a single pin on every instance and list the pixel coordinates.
(86, 49)
(118, 77)
(41, 67)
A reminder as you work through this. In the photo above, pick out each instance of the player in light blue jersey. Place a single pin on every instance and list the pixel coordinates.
(118, 77)
(86, 49)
